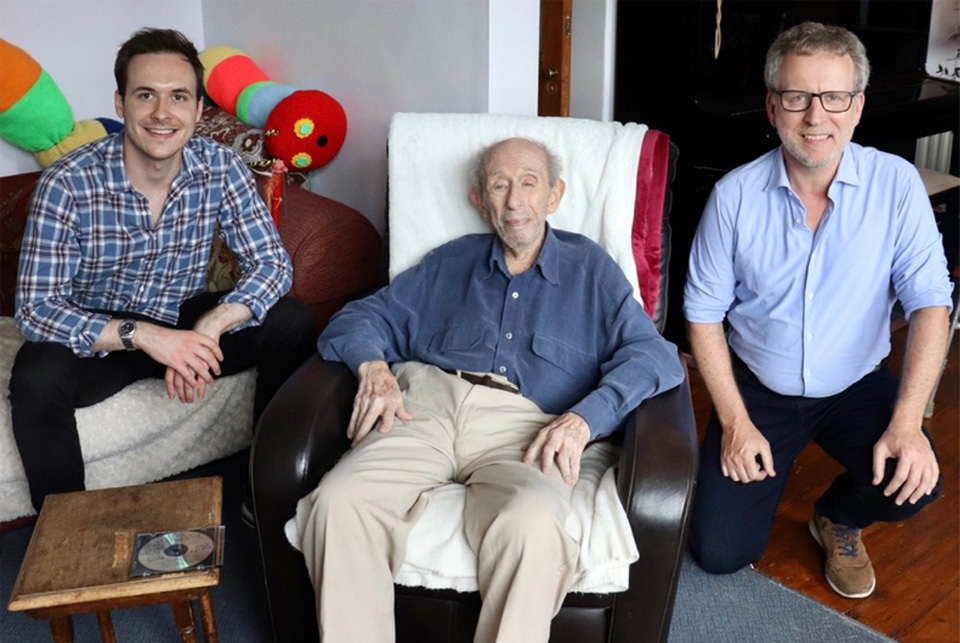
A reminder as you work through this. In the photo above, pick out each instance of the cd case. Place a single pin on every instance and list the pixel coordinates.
(182, 550)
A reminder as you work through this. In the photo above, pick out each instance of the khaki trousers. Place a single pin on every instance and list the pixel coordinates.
(514, 519)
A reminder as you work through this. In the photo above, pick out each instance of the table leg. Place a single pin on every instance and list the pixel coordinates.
(206, 617)
(183, 615)
(106, 627)
(62, 629)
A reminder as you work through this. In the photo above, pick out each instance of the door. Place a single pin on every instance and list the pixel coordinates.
(556, 18)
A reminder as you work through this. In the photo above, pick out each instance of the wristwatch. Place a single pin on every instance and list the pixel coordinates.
(128, 328)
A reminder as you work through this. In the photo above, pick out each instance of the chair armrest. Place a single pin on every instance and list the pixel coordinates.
(657, 477)
(300, 436)
(335, 251)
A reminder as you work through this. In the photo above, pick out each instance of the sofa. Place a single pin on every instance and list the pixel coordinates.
(139, 436)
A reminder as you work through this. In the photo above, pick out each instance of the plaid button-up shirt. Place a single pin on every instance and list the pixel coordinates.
(90, 243)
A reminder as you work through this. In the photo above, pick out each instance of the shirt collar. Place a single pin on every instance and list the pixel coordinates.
(846, 171)
(548, 261)
(116, 174)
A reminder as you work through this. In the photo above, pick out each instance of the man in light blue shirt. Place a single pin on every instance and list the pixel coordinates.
(804, 252)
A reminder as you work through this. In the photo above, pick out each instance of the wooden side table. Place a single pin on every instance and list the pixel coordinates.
(78, 559)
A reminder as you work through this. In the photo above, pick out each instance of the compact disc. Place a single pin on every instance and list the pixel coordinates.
(175, 551)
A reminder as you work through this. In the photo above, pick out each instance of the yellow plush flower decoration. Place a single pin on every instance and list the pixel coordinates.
(301, 160)
(303, 128)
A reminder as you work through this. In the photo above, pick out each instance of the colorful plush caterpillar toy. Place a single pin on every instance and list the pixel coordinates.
(34, 114)
(303, 128)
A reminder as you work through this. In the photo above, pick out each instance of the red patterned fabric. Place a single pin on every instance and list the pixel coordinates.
(648, 216)
(15, 193)
(245, 140)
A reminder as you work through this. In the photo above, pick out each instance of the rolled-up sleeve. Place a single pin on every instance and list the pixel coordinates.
(919, 272)
(711, 280)
(246, 226)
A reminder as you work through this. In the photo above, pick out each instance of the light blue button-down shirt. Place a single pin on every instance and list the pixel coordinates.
(809, 313)
(568, 331)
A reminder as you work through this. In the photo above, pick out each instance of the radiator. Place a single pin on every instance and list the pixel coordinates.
(933, 152)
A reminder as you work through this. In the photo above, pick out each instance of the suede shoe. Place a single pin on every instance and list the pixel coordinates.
(848, 568)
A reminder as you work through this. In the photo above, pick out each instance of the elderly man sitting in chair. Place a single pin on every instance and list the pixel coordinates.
(510, 353)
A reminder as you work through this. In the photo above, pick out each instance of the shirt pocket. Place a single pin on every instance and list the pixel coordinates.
(458, 339)
(561, 354)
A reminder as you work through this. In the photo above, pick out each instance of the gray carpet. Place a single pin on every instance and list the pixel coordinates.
(746, 607)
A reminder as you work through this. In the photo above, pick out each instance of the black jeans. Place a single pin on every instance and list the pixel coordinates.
(48, 382)
(731, 521)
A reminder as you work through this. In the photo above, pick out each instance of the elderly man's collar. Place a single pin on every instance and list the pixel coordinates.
(548, 261)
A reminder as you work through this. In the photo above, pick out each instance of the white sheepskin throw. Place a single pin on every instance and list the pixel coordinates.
(439, 556)
(136, 436)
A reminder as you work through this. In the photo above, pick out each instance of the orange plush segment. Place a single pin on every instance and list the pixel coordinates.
(18, 73)
(228, 78)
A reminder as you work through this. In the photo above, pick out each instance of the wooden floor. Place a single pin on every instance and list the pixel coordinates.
(917, 599)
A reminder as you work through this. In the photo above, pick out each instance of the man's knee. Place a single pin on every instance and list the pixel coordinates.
(339, 492)
(529, 522)
(718, 549)
(716, 559)
(38, 369)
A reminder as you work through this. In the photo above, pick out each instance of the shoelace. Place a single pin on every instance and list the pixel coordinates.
(847, 539)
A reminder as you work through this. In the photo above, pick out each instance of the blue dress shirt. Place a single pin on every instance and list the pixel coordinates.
(90, 243)
(810, 312)
(567, 332)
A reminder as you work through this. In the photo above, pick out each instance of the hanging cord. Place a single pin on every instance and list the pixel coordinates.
(274, 190)
(716, 37)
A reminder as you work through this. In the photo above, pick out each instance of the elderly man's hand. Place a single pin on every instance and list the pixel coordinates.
(378, 398)
(563, 441)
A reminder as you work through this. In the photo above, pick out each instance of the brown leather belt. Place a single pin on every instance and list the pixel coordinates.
(483, 380)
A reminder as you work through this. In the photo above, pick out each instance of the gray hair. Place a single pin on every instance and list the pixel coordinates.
(810, 38)
(478, 174)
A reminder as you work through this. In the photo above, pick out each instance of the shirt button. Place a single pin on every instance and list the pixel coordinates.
(502, 369)
(809, 335)
(806, 372)
(797, 221)
(809, 295)
(515, 294)
(509, 335)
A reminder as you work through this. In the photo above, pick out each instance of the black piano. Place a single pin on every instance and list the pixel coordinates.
(713, 107)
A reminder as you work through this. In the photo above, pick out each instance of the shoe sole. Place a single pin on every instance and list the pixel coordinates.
(816, 536)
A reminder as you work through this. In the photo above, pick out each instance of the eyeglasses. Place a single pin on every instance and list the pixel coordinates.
(797, 101)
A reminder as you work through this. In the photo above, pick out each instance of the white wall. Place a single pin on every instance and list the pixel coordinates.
(376, 57)
(514, 51)
(76, 43)
(592, 52)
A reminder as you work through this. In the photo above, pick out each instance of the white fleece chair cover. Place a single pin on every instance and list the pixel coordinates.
(430, 158)
(134, 437)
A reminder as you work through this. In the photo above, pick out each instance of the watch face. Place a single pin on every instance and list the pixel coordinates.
(127, 328)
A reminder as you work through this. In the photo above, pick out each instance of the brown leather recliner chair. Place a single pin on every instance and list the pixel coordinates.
(302, 435)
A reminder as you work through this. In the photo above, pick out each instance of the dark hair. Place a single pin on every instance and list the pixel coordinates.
(810, 38)
(156, 41)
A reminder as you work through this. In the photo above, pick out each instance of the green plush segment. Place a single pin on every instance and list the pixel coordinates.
(40, 119)
(243, 100)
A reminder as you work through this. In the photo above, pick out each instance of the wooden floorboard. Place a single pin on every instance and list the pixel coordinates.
(917, 599)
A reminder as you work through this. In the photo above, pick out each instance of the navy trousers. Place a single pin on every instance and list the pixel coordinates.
(48, 382)
(731, 521)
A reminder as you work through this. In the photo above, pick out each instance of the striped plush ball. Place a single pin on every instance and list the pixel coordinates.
(34, 115)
